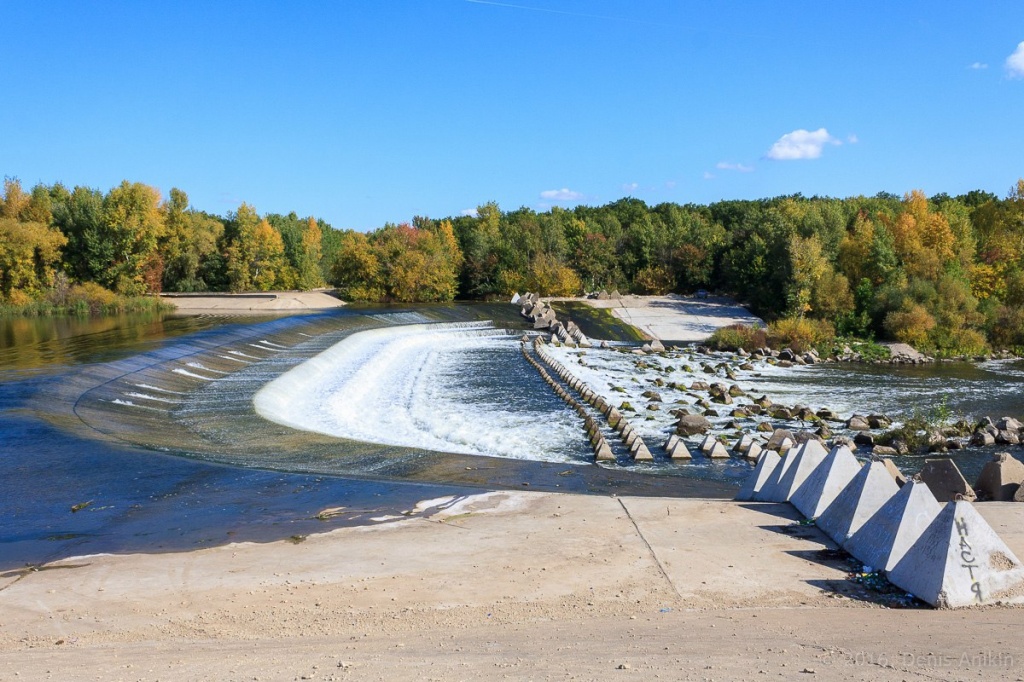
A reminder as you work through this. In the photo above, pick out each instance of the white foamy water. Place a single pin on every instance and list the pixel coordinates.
(446, 387)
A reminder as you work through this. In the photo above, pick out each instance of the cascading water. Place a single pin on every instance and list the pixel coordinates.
(443, 387)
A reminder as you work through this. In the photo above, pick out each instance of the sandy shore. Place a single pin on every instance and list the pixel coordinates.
(677, 318)
(269, 301)
(505, 585)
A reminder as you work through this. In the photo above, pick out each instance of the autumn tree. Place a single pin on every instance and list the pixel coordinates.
(254, 253)
(131, 225)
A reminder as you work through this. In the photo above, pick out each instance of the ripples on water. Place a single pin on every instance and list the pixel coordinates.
(453, 388)
(366, 391)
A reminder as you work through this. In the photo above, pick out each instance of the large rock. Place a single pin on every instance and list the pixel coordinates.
(778, 439)
(692, 425)
(858, 423)
(945, 480)
(1000, 479)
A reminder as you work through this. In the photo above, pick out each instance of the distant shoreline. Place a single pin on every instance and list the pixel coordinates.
(265, 301)
(676, 318)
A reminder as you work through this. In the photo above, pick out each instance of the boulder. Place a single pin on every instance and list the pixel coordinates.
(692, 425)
(944, 479)
(1000, 478)
(1005, 437)
(858, 423)
(982, 439)
(778, 437)
(1008, 424)
(879, 421)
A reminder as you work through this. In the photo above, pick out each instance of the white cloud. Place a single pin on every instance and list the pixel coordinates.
(977, 66)
(801, 144)
(852, 139)
(471, 212)
(564, 194)
(709, 176)
(1015, 62)
(630, 186)
(738, 167)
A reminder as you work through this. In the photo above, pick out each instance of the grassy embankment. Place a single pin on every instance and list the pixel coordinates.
(81, 300)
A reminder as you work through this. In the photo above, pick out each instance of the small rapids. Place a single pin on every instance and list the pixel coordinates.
(445, 387)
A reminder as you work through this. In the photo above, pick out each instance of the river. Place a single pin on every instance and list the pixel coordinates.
(174, 432)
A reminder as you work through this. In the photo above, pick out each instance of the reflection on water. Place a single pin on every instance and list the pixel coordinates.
(32, 342)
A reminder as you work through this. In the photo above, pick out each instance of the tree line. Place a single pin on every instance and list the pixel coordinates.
(940, 272)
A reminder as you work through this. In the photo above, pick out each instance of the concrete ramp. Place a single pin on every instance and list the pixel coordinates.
(859, 500)
(960, 561)
(769, 461)
(885, 538)
(826, 482)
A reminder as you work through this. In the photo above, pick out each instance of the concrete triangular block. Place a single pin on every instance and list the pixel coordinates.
(718, 451)
(708, 444)
(1000, 478)
(754, 452)
(960, 561)
(826, 482)
(765, 466)
(857, 502)
(807, 458)
(885, 538)
(744, 442)
(769, 491)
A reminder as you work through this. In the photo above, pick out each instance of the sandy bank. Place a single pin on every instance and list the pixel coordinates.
(677, 318)
(504, 585)
(269, 301)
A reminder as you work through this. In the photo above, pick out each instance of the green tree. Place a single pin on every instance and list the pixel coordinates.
(132, 224)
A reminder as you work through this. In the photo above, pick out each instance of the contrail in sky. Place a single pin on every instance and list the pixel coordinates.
(558, 11)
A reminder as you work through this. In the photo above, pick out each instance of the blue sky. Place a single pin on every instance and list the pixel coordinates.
(371, 111)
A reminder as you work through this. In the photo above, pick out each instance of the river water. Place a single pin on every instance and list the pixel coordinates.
(171, 432)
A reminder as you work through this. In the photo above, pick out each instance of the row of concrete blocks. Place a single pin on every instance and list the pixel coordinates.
(543, 317)
(948, 556)
(638, 450)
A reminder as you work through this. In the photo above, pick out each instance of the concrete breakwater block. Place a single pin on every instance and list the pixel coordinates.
(754, 452)
(885, 538)
(718, 451)
(825, 483)
(857, 502)
(1000, 479)
(677, 449)
(743, 444)
(755, 481)
(640, 451)
(945, 480)
(960, 561)
(772, 482)
(806, 459)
